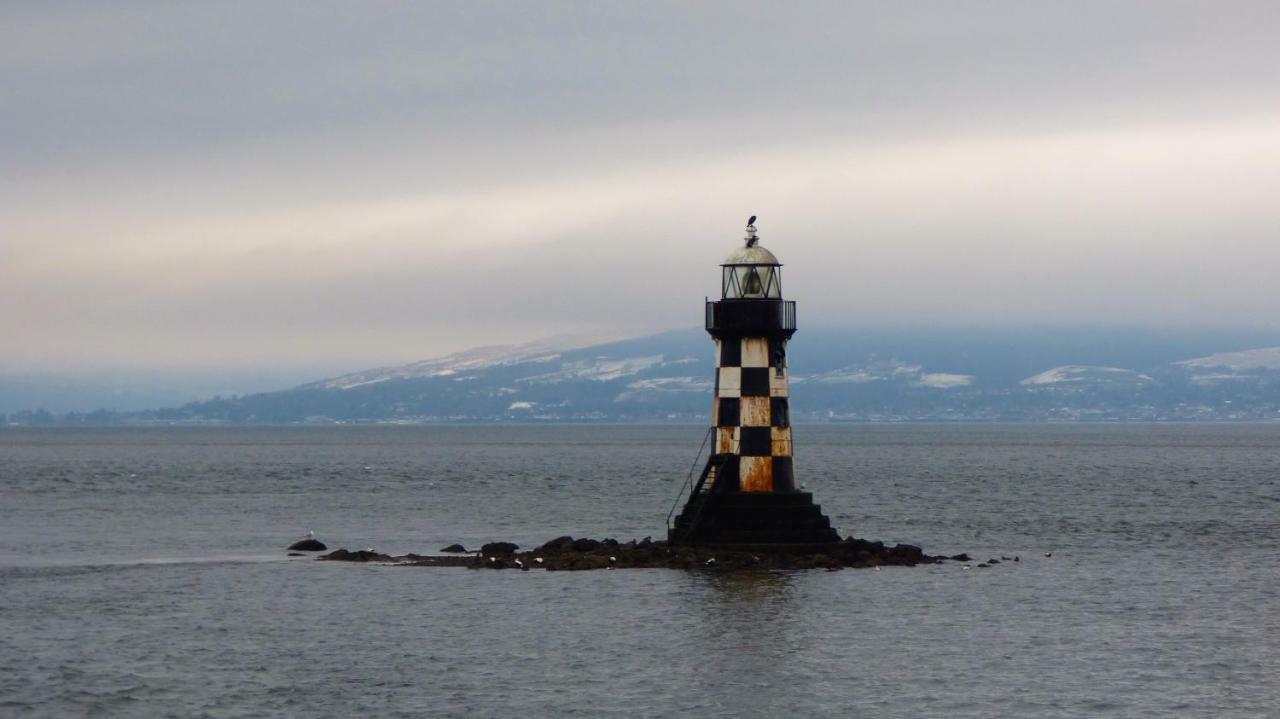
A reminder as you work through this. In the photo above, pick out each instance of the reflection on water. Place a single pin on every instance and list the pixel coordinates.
(747, 587)
(745, 614)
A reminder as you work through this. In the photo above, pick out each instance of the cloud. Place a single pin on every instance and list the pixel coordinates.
(236, 184)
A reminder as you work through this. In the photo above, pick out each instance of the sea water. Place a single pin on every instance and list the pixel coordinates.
(143, 573)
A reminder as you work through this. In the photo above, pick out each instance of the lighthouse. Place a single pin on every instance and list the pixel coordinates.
(746, 493)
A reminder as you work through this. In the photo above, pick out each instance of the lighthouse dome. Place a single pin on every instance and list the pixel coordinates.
(751, 255)
(751, 272)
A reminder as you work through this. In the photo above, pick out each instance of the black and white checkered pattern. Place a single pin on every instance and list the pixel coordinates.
(752, 416)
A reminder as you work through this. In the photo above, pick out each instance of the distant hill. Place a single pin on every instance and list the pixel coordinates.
(837, 375)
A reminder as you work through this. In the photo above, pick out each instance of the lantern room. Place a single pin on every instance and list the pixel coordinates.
(751, 272)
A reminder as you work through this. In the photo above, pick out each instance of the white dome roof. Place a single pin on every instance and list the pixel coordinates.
(754, 255)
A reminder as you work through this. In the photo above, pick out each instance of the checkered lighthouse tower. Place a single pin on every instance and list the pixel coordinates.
(747, 492)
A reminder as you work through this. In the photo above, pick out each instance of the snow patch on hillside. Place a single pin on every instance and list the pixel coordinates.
(1262, 358)
(1214, 378)
(1081, 374)
(541, 352)
(944, 380)
(599, 369)
(673, 384)
(656, 388)
(889, 371)
(861, 374)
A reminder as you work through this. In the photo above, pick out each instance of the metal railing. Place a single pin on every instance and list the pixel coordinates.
(748, 315)
(715, 462)
(687, 485)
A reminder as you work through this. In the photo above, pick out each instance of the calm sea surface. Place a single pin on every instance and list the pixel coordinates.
(142, 573)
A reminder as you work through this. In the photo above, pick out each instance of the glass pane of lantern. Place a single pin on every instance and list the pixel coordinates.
(769, 278)
(740, 274)
(729, 290)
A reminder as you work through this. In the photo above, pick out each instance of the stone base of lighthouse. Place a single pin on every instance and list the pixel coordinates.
(764, 520)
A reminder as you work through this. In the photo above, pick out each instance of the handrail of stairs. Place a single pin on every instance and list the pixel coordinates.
(714, 462)
(688, 482)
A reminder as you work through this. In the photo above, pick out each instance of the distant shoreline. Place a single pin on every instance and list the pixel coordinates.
(627, 423)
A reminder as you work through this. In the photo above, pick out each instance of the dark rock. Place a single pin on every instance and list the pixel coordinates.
(993, 561)
(505, 549)
(586, 545)
(342, 555)
(455, 549)
(908, 552)
(961, 557)
(308, 545)
(296, 554)
(557, 545)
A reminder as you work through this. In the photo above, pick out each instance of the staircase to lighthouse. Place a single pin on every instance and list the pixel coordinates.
(746, 491)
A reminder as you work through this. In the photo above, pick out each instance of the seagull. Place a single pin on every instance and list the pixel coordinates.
(520, 564)
(1048, 554)
(967, 567)
(711, 562)
(877, 568)
(538, 560)
(613, 560)
(311, 534)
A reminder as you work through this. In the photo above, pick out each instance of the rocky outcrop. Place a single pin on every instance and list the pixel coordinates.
(308, 545)
(569, 554)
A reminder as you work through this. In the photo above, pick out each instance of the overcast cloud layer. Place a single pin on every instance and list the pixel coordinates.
(248, 184)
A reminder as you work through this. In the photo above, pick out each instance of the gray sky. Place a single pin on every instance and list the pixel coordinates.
(249, 184)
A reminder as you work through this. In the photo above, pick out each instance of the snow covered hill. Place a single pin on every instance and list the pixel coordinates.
(873, 375)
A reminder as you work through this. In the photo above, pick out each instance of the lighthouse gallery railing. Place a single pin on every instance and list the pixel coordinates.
(751, 315)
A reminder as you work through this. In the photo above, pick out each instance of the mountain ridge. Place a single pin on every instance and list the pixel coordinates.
(1041, 374)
